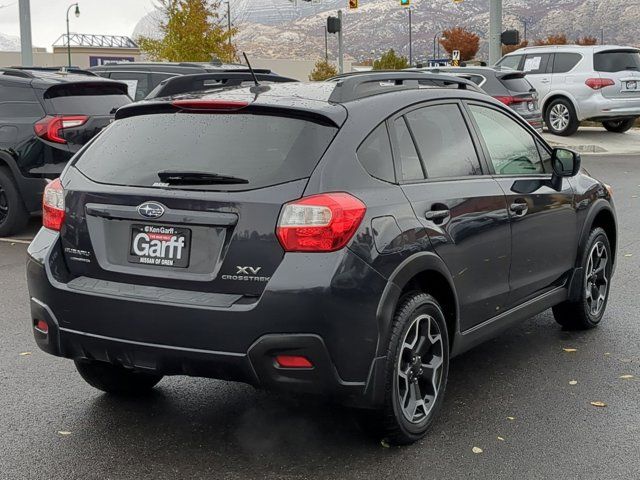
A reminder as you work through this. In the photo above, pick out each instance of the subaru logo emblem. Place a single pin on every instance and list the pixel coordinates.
(151, 210)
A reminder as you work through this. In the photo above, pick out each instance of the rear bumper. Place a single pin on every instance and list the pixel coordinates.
(334, 326)
(600, 107)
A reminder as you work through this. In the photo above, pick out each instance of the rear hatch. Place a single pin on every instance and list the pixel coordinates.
(188, 201)
(77, 111)
(622, 67)
(522, 97)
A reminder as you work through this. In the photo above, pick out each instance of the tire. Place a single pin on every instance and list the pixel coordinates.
(587, 312)
(619, 126)
(561, 118)
(13, 214)
(418, 319)
(115, 379)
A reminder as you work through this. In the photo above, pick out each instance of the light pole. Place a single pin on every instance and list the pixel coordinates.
(410, 40)
(77, 12)
(436, 41)
(26, 48)
(326, 44)
(229, 22)
(495, 31)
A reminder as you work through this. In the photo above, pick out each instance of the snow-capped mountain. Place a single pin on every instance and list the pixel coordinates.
(9, 43)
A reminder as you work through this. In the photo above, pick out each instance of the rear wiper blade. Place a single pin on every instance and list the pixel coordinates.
(180, 177)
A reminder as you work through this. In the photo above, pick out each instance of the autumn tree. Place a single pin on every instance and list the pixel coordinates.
(512, 48)
(391, 61)
(560, 39)
(587, 40)
(192, 31)
(322, 71)
(459, 38)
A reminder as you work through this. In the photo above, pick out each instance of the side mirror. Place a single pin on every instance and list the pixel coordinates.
(565, 163)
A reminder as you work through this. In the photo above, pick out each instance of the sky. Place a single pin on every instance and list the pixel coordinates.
(48, 18)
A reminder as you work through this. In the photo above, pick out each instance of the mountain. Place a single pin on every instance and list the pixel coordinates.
(9, 43)
(382, 24)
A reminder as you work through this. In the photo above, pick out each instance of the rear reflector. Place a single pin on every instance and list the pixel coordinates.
(293, 361)
(598, 83)
(320, 223)
(53, 205)
(50, 128)
(214, 104)
(42, 326)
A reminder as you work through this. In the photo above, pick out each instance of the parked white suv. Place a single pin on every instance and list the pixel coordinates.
(576, 83)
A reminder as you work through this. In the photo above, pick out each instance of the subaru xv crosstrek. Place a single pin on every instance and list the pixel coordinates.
(344, 239)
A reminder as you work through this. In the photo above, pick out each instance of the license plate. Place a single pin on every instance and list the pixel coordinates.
(160, 245)
(631, 86)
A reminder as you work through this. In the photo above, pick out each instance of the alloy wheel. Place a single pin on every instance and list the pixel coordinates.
(596, 281)
(559, 117)
(420, 368)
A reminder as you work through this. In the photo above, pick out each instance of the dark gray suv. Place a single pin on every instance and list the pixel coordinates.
(344, 239)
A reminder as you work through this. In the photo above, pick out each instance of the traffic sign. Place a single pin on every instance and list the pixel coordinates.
(455, 57)
(353, 4)
(405, 3)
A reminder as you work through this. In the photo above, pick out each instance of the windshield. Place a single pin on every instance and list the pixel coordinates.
(265, 150)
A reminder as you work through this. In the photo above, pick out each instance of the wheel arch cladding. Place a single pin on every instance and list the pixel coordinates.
(424, 272)
(604, 218)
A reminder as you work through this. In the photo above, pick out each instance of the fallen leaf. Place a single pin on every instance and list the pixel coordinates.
(476, 450)
(628, 254)
(573, 382)
(63, 432)
(570, 350)
(511, 418)
(634, 196)
(501, 439)
(607, 353)
(598, 404)
(24, 354)
(384, 443)
(626, 377)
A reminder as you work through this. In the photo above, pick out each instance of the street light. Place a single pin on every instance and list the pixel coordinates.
(437, 37)
(77, 12)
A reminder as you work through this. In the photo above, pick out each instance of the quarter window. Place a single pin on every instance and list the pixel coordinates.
(444, 142)
(375, 154)
(512, 62)
(409, 160)
(512, 150)
(535, 64)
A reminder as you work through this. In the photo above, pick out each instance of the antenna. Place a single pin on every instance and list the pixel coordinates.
(253, 74)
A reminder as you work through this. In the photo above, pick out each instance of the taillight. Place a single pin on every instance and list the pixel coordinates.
(50, 128)
(53, 205)
(320, 223)
(598, 83)
(210, 104)
(512, 100)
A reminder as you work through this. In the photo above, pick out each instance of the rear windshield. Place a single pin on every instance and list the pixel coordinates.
(516, 84)
(88, 99)
(265, 150)
(617, 61)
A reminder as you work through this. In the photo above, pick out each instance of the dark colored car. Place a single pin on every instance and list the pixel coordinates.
(508, 86)
(143, 77)
(343, 238)
(45, 118)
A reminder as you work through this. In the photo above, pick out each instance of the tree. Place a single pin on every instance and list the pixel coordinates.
(587, 40)
(459, 38)
(512, 48)
(322, 70)
(560, 39)
(191, 32)
(390, 61)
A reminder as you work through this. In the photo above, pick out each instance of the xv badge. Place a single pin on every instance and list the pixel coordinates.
(248, 270)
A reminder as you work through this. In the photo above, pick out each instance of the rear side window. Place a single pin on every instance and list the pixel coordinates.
(138, 83)
(88, 99)
(444, 141)
(375, 154)
(512, 62)
(517, 84)
(409, 160)
(564, 62)
(616, 61)
(263, 149)
(535, 64)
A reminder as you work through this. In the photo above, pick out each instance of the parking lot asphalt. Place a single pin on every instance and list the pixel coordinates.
(510, 397)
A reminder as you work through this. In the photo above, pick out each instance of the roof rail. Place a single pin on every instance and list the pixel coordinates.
(353, 86)
(205, 81)
(15, 72)
(61, 69)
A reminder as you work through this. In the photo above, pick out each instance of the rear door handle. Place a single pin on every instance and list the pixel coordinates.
(435, 215)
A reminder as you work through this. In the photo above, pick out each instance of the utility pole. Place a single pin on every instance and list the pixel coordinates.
(602, 36)
(340, 46)
(26, 47)
(410, 41)
(229, 21)
(326, 44)
(495, 31)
